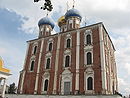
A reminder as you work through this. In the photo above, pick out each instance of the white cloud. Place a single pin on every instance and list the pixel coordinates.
(114, 13)
(127, 66)
(2, 50)
(122, 82)
(13, 59)
(124, 86)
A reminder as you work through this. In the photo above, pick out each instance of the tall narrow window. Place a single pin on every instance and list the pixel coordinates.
(35, 50)
(48, 63)
(90, 83)
(89, 58)
(46, 85)
(50, 47)
(32, 66)
(68, 43)
(67, 60)
(71, 25)
(88, 39)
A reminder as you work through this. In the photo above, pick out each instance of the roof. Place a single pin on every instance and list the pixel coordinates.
(5, 70)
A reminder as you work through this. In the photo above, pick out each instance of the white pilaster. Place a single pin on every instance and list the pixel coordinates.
(4, 88)
(22, 80)
(102, 55)
(38, 68)
(77, 61)
(56, 64)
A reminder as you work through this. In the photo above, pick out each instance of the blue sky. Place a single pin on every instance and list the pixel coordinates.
(12, 42)
(18, 24)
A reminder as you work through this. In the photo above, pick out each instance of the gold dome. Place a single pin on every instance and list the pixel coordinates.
(1, 62)
(1, 67)
(61, 21)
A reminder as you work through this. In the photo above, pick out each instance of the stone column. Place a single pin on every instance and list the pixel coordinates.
(38, 68)
(56, 65)
(4, 88)
(77, 62)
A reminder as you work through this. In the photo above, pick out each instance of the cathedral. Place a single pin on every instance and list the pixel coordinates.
(76, 60)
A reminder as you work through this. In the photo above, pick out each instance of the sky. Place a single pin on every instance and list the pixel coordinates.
(19, 19)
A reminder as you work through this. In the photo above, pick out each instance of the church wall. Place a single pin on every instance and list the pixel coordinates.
(81, 62)
(110, 63)
(60, 63)
(97, 61)
(62, 54)
(42, 66)
(51, 71)
(30, 77)
(25, 87)
(51, 83)
(73, 60)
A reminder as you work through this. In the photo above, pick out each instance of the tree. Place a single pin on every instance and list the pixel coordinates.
(47, 5)
(12, 89)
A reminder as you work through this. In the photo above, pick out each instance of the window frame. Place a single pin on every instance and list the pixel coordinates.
(66, 61)
(88, 32)
(67, 43)
(45, 89)
(89, 61)
(88, 73)
(88, 85)
(70, 23)
(48, 67)
(88, 39)
(48, 43)
(85, 57)
(68, 36)
(33, 48)
(31, 65)
(49, 46)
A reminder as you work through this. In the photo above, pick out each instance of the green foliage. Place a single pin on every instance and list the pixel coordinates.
(47, 5)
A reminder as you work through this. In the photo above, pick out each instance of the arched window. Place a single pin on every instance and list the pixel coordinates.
(89, 58)
(90, 83)
(71, 25)
(46, 85)
(48, 63)
(32, 66)
(68, 43)
(67, 61)
(88, 39)
(35, 50)
(50, 47)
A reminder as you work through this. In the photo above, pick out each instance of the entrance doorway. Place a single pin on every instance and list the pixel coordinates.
(66, 88)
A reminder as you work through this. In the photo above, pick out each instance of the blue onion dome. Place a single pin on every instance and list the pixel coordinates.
(46, 21)
(72, 13)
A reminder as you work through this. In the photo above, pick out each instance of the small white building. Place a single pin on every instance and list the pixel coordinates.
(4, 74)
